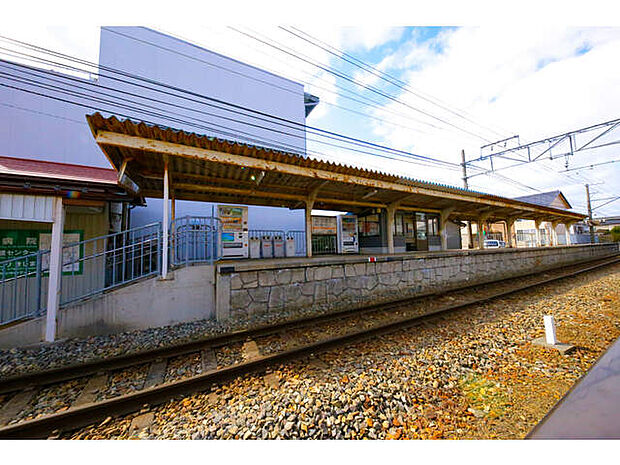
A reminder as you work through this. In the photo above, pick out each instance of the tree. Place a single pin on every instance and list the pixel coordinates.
(615, 234)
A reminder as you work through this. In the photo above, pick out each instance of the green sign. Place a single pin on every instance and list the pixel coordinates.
(18, 243)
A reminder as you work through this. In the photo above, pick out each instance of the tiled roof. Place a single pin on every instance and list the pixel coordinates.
(544, 198)
(60, 171)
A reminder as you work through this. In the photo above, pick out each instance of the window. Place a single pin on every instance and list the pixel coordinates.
(433, 226)
(420, 225)
(398, 224)
(369, 225)
(409, 226)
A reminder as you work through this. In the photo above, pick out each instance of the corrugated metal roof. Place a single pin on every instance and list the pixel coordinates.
(116, 154)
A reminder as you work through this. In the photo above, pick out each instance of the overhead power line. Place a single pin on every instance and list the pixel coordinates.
(354, 81)
(247, 111)
(431, 160)
(340, 54)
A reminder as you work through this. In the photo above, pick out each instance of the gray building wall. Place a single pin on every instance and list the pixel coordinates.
(48, 127)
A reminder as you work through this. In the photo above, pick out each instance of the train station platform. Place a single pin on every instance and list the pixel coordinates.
(237, 291)
(330, 282)
(591, 409)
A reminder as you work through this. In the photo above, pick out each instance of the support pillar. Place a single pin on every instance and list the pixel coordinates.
(55, 271)
(443, 232)
(554, 234)
(479, 227)
(165, 223)
(309, 205)
(537, 226)
(509, 226)
(391, 211)
(567, 232)
(173, 239)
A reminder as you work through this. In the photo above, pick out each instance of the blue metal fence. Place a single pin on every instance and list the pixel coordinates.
(300, 242)
(195, 239)
(96, 265)
(23, 289)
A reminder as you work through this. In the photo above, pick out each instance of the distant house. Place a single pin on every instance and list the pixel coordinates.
(526, 229)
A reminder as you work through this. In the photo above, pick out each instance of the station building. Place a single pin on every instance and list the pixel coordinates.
(77, 275)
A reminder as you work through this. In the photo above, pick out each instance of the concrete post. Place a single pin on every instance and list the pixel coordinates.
(554, 234)
(537, 226)
(567, 232)
(55, 271)
(308, 218)
(509, 225)
(443, 232)
(479, 227)
(391, 211)
(165, 224)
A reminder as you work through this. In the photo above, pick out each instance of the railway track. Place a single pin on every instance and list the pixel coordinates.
(227, 356)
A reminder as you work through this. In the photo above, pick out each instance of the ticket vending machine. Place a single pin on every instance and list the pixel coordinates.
(348, 241)
(234, 231)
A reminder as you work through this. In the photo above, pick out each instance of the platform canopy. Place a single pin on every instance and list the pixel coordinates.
(204, 168)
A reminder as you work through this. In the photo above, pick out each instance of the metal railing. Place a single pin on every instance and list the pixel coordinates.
(99, 264)
(300, 242)
(323, 244)
(195, 239)
(23, 286)
(96, 265)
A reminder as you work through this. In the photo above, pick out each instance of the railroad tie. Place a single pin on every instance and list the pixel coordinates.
(142, 423)
(90, 391)
(156, 374)
(250, 350)
(208, 359)
(15, 405)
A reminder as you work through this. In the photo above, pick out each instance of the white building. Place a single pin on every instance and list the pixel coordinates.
(149, 76)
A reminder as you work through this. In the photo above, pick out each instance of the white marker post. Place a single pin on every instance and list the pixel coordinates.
(550, 330)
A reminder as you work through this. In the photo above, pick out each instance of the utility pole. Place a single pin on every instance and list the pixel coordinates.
(465, 185)
(590, 214)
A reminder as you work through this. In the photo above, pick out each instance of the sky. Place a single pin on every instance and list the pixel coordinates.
(460, 88)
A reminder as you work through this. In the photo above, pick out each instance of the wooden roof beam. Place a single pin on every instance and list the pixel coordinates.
(104, 138)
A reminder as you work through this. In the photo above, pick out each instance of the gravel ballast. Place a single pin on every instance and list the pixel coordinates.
(473, 374)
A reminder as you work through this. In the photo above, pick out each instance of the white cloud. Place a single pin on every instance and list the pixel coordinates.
(529, 80)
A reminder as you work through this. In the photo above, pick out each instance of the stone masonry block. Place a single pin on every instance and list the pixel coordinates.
(239, 299)
(369, 282)
(283, 276)
(249, 279)
(308, 288)
(335, 287)
(298, 275)
(337, 271)
(235, 281)
(259, 294)
(322, 273)
(292, 293)
(266, 278)
(276, 297)
(320, 291)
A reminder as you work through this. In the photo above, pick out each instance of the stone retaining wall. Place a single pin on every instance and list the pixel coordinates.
(353, 281)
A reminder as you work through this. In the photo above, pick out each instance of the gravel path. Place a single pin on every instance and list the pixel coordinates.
(474, 374)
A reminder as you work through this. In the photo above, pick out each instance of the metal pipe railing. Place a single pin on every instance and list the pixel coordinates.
(22, 289)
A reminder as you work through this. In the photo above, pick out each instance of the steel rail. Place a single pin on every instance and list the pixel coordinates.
(87, 414)
(70, 372)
